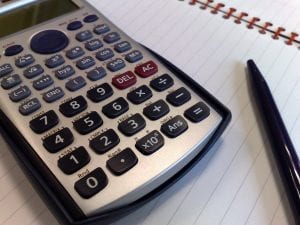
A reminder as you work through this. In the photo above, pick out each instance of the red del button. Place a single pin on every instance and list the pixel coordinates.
(146, 69)
(124, 80)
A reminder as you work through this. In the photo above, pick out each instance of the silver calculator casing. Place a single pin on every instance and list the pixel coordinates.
(151, 175)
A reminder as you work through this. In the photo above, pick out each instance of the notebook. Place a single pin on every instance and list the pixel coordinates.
(237, 182)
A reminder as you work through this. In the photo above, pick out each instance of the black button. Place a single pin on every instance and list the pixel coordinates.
(115, 108)
(84, 35)
(96, 74)
(90, 18)
(132, 125)
(93, 45)
(134, 56)
(75, 83)
(111, 37)
(19, 94)
(99, 93)
(75, 25)
(64, 72)
(139, 95)
(179, 97)
(13, 50)
(91, 184)
(156, 110)
(10, 81)
(53, 94)
(24, 60)
(29, 106)
(49, 42)
(174, 127)
(58, 140)
(42, 82)
(122, 162)
(197, 112)
(75, 52)
(44, 122)
(105, 141)
(162, 83)
(73, 106)
(115, 65)
(150, 143)
(105, 54)
(101, 29)
(88, 123)
(74, 160)
(122, 46)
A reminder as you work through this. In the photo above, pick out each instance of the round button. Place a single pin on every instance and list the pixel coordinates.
(49, 42)
(90, 18)
(75, 25)
(13, 50)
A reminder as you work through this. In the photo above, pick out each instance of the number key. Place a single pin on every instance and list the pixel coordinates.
(132, 125)
(73, 107)
(74, 161)
(99, 93)
(58, 140)
(105, 141)
(115, 108)
(88, 123)
(44, 122)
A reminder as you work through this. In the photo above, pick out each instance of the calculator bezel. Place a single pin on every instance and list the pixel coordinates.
(57, 198)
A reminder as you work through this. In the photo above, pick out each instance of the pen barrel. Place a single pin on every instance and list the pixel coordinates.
(281, 143)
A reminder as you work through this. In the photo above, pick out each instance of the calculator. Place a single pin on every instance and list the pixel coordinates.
(99, 123)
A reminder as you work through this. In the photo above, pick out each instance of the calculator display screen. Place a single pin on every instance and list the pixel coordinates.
(33, 13)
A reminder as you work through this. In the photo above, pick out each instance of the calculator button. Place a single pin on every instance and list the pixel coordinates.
(101, 29)
(93, 45)
(29, 106)
(105, 141)
(75, 83)
(42, 82)
(179, 97)
(162, 83)
(75, 52)
(58, 140)
(132, 125)
(85, 62)
(122, 162)
(150, 143)
(197, 112)
(5, 69)
(44, 122)
(122, 46)
(104, 54)
(73, 106)
(140, 94)
(90, 18)
(146, 69)
(96, 74)
(99, 93)
(55, 61)
(115, 65)
(33, 71)
(88, 123)
(134, 56)
(64, 72)
(13, 50)
(53, 94)
(74, 160)
(111, 37)
(174, 127)
(115, 108)
(10, 81)
(75, 25)
(19, 94)
(24, 60)
(84, 35)
(91, 184)
(124, 80)
(49, 42)
(156, 110)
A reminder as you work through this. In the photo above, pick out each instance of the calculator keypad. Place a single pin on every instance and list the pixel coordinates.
(100, 97)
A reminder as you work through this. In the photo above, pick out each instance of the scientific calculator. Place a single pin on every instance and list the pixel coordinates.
(99, 123)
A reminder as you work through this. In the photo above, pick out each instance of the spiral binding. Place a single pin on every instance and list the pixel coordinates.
(250, 22)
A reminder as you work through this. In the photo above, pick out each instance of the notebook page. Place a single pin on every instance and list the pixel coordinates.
(237, 182)
(264, 9)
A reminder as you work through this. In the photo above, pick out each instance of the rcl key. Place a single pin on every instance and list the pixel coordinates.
(150, 143)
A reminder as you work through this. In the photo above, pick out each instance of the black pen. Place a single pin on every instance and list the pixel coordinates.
(283, 149)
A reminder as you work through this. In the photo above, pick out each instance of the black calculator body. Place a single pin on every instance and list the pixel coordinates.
(99, 123)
